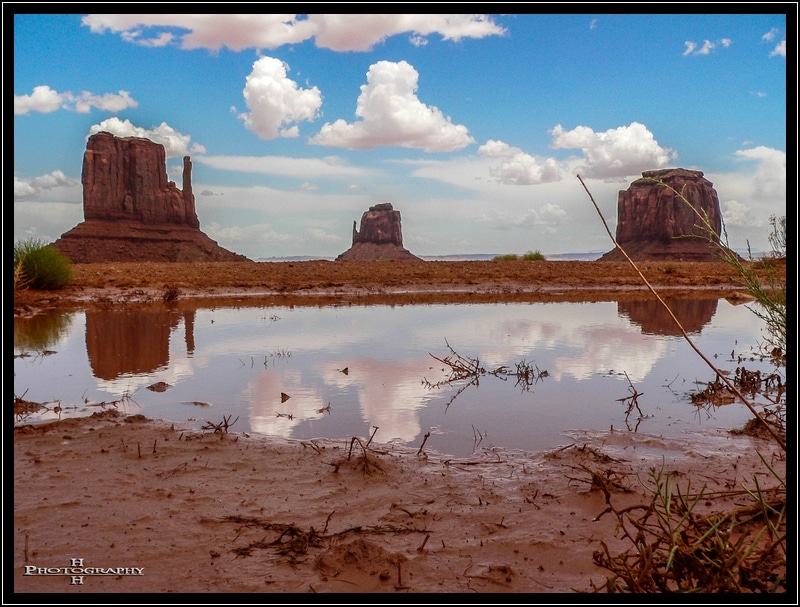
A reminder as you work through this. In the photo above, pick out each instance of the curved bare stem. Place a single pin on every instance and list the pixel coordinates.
(719, 373)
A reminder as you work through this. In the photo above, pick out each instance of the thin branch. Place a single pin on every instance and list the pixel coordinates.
(719, 373)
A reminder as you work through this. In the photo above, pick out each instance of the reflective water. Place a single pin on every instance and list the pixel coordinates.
(339, 372)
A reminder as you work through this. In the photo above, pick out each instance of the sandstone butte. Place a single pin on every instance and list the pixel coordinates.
(132, 212)
(379, 237)
(654, 224)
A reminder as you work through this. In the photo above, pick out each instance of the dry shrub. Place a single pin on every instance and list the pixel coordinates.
(675, 548)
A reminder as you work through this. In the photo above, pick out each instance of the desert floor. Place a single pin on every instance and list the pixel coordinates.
(320, 282)
(165, 509)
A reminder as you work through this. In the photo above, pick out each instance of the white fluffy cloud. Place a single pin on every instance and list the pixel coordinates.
(276, 102)
(175, 144)
(750, 195)
(45, 100)
(390, 114)
(770, 175)
(335, 31)
(493, 148)
(617, 153)
(519, 168)
(736, 214)
(108, 102)
(52, 180)
(23, 189)
(362, 32)
(31, 188)
(621, 152)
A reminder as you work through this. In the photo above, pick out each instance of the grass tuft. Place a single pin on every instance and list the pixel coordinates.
(39, 265)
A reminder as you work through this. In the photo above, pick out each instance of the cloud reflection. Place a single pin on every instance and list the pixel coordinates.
(230, 357)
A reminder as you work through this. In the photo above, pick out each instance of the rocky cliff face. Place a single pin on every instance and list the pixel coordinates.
(126, 178)
(132, 212)
(653, 223)
(379, 225)
(380, 237)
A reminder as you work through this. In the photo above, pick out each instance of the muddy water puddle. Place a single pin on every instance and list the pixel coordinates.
(457, 378)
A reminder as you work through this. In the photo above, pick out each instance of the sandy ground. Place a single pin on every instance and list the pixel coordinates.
(165, 509)
(322, 282)
(231, 513)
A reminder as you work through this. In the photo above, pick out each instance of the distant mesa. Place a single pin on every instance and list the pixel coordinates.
(380, 237)
(132, 212)
(654, 224)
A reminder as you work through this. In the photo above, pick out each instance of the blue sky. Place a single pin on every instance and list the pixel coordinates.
(473, 126)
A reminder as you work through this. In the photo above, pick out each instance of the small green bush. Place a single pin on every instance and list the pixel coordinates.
(40, 266)
(23, 247)
(533, 256)
(529, 256)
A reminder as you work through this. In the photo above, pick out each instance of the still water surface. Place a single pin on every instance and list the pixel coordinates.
(370, 370)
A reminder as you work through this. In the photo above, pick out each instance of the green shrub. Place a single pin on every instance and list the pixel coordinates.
(529, 256)
(533, 256)
(40, 266)
(23, 247)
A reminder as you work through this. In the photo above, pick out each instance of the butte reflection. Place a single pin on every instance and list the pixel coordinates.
(121, 342)
(650, 315)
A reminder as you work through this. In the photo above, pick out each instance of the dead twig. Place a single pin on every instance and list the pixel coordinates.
(365, 461)
(221, 427)
(374, 430)
(464, 368)
(424, 440)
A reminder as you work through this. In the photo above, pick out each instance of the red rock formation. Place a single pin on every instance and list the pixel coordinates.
(653, 223)
(126, 178)
(132, 212)
(100, 241)
(380, 237)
